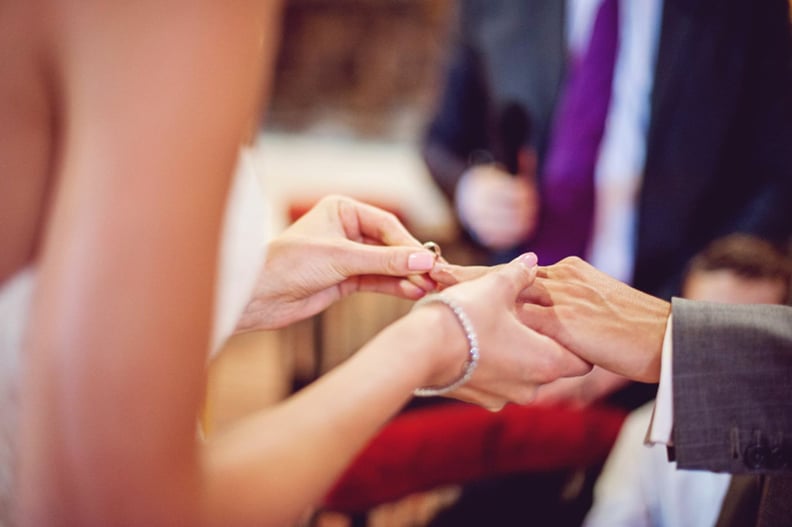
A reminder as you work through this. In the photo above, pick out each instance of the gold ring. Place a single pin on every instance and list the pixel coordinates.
(432, 246)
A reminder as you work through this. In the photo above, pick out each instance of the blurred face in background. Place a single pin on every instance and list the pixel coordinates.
(726, 286)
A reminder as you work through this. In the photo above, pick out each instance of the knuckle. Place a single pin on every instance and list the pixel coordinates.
(570, 264)
(390, 218)
(543, 370)
(332, 199)
(574, 366)
(395, 263)
(500, 280)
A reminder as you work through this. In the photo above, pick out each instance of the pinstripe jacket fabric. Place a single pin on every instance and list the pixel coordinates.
(732, 386)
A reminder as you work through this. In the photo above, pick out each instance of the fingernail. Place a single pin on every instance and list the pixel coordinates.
(422, 261)
(528, 259)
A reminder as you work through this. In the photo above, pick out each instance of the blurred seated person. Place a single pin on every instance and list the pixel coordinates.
(639, 486)
(667, 120)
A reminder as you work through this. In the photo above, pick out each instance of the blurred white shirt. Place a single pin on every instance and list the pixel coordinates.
(640, 487)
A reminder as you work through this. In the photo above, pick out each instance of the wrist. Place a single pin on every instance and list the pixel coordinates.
(473, 346)
(443, 347)
(654, 330)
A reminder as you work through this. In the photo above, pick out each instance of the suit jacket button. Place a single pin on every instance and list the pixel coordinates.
(757, 457)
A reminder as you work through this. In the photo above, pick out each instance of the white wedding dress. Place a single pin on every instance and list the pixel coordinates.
(245, 233)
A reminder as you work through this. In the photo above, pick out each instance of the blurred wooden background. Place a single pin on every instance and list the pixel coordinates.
(369, 65)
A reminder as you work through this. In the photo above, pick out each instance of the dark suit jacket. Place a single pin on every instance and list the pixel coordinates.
(719, 147)
(732, 389)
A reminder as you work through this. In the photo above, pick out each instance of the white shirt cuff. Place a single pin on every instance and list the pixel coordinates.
(661, 426)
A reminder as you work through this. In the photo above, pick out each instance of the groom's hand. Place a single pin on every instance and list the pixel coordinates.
(601, 319)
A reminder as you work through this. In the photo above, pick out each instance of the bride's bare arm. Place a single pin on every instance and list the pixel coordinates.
(154, 99)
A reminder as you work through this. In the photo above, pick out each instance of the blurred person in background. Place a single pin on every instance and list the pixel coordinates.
(638, 485)
(696, 92)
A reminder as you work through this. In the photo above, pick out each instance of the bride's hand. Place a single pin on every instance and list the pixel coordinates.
(339, 247)
(514, 359)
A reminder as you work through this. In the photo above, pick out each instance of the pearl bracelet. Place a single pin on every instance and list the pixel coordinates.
(470, 334)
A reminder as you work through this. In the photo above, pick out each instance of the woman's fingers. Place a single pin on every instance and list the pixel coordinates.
(352, 259)
(515, 369)
(515, 359)
(389, 285)
(361, 220)
(515, 276)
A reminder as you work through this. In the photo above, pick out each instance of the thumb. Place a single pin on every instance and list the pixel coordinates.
(517, 275)
(361, 259)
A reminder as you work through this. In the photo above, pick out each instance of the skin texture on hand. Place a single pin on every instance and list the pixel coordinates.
(499, 209)
(515, 360)
(339, 247)
(603, 320)
(581, 391)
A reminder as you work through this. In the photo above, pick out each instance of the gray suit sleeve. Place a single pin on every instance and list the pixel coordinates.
(732, 384)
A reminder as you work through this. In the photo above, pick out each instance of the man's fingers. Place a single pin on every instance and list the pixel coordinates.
(448, 275)
(537, 317)
(537, 292)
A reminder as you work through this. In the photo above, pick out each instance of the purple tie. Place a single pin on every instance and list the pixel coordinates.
(567, 185)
